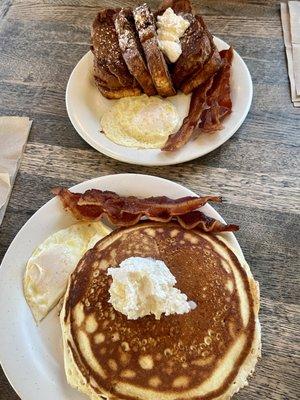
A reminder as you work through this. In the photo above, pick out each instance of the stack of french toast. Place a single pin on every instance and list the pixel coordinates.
(128, 60)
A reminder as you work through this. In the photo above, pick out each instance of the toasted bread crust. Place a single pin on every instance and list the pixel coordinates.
(128, 60)
(203, 74)
(132, 50)
(178, 6)
(110, 93)
(110, 70)
(145, 25)
(103, 75)
(197, 47)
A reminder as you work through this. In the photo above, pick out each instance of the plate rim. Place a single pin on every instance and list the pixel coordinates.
(171, 161)
(10, 373)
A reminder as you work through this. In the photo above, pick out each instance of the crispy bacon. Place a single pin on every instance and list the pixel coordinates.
(98, 202)
(154, 206)
(218, 97)
(70, 203)
(197, 106)
(127, 211)
(198, 220)
(210, 103)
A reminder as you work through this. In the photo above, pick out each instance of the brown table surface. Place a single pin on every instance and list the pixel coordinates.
(255, 171)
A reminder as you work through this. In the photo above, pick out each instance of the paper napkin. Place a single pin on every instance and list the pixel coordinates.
(13, 137)
(294, 9)
(290, 18)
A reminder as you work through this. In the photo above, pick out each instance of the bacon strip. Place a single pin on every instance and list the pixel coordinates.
(198, 220)
(70, 203)
(127, 211)
(197, 106)
(210, 103)
(154, 206)
(218, 97)
(94, 203)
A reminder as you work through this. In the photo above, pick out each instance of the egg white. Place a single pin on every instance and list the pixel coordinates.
(48, 269)
(141, 121)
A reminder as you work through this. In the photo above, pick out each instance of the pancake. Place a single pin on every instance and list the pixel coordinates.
(207, 353)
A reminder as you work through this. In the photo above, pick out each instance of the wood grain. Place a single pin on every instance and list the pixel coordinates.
(256, 171)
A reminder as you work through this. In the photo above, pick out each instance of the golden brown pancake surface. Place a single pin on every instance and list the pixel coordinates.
(178, 356)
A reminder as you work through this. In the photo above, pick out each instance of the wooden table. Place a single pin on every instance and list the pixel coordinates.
(256, 170)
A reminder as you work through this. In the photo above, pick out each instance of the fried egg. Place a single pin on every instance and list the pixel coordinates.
(48, 269)
(141, 121)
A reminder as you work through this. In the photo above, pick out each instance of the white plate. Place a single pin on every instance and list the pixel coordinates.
(86, 105)
(31, 355)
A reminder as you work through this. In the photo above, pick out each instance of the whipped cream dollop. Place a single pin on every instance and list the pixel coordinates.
(170, 28)
(142, 286)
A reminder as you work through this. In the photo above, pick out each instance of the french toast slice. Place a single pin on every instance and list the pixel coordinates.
(109, 85)
(199, 59)
(197, 48)
(110, 93)
(203, 74)
(103, 75)
(146, 28)
(178, 6)
(112, 76)
(132, 50)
